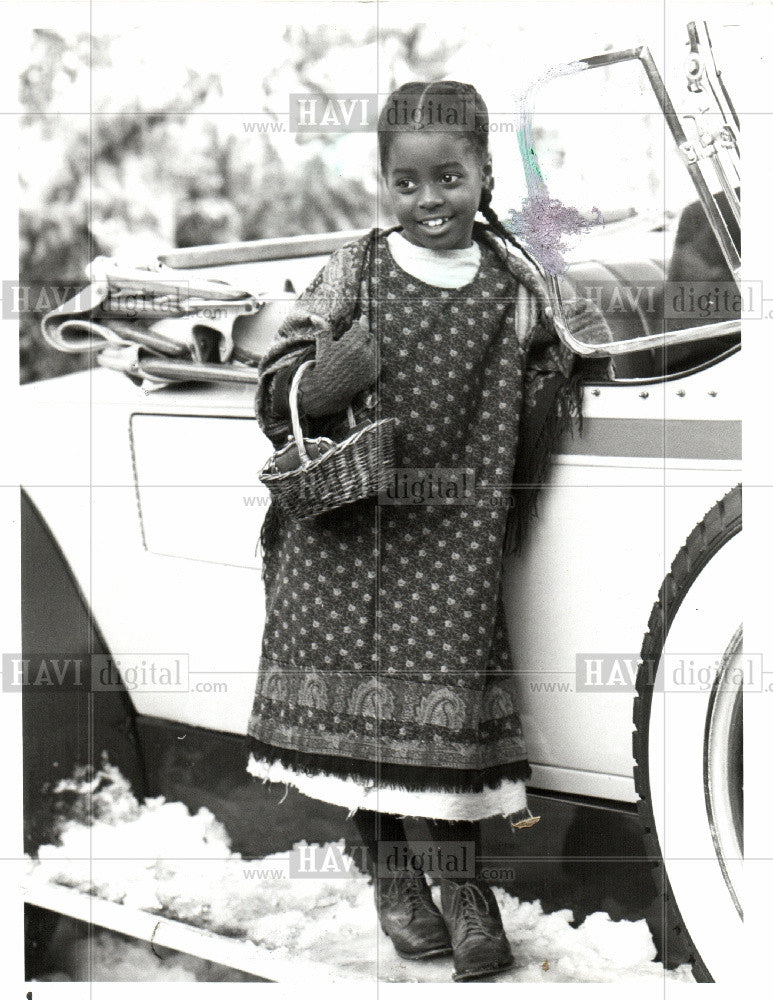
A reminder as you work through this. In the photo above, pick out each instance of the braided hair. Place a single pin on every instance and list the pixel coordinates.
(405, 110)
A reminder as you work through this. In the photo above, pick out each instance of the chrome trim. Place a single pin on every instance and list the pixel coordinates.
(255, 251)
(670, 376)
(707, 332)
(725, 701)
(179, 371)
(715, 217)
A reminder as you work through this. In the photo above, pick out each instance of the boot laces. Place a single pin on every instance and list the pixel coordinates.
(410, 887)
(469, 896)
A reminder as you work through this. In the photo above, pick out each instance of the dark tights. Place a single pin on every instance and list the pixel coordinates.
(375, 827)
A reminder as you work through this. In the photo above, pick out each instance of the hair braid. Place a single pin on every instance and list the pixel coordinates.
(496, 225)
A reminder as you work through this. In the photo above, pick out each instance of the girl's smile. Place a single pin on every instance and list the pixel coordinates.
(434, 181)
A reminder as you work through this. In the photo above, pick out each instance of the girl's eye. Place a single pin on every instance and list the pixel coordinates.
(405, 184)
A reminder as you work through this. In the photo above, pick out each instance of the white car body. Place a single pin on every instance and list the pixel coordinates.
(157, 508)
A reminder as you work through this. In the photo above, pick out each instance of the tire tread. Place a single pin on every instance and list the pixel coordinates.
(720, 523)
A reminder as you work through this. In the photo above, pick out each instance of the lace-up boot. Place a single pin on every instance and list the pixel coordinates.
(479, 942)
(408, 915)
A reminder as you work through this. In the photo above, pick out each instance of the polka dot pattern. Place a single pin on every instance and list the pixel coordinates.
(385, 634)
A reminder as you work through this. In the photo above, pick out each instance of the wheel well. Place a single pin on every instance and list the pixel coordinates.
(64, 726)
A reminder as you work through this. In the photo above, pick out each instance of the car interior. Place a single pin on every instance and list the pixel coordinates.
(634, 296)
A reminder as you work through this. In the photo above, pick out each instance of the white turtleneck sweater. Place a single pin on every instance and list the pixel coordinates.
(444, 268)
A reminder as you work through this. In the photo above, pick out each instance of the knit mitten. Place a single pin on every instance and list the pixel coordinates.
(341, 369)
(586, 321)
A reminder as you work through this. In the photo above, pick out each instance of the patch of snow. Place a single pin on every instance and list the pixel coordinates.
(156, 856)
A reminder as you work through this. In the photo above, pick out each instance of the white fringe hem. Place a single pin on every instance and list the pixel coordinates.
(509, 798)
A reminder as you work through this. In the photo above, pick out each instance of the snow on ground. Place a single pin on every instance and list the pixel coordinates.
(80, 953)
(156, 856)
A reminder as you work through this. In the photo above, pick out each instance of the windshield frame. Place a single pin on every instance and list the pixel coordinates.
(691, 160)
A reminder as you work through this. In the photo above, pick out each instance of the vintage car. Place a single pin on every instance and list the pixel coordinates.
(141, 509)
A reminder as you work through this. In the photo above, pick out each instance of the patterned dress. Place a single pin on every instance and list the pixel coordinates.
(385, 677)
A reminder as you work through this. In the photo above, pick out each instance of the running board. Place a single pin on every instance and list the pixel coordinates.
(164, 932)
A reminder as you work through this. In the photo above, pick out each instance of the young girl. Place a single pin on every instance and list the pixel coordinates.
(385, 683)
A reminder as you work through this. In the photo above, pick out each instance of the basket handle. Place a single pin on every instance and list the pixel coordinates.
(295, 416)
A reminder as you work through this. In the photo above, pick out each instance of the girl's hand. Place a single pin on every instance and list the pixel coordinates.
(586, 321)
(342, 368)
(325, 338)
(356, 342)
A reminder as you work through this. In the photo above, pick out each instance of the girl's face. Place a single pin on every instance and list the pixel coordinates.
(434, 182)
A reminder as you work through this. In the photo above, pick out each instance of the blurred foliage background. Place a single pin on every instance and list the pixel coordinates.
(146, 126)
(139, 176)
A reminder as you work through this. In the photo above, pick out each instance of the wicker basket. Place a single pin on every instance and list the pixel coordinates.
(358, 467)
